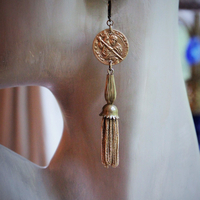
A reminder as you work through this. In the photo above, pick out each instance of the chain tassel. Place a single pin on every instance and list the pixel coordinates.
(110, 126)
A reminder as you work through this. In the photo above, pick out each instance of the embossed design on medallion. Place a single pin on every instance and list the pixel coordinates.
(110, 46)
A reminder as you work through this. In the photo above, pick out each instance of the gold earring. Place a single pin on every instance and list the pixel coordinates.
(110, 47)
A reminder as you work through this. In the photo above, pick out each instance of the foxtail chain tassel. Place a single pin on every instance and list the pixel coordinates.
(110, 125)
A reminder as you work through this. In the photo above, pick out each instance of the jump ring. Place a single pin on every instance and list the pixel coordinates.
(110, 22)
(110, 71)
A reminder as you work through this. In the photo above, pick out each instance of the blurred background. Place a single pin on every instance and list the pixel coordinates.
(189, 48)
(31, 122)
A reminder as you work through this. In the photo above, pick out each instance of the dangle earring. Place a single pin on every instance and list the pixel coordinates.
(110, 48)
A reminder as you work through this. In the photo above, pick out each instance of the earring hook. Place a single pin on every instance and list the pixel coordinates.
(109, 9)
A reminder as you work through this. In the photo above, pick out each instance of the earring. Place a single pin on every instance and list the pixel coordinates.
(110, 47)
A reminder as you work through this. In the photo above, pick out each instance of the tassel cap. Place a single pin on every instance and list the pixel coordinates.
(110, 111)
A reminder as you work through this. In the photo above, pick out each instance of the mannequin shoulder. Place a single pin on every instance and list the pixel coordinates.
(10, 159)
(19, 178)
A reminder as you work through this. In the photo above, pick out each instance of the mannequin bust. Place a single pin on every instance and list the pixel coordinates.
(49, 43)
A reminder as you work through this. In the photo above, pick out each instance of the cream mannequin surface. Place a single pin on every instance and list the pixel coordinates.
(49, 43)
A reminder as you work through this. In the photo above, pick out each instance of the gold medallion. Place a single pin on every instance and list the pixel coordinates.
(110, 46)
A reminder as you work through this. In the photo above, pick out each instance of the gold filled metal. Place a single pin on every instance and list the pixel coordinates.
(110, 47)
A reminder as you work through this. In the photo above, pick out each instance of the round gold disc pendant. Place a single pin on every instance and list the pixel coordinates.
(110, 46)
